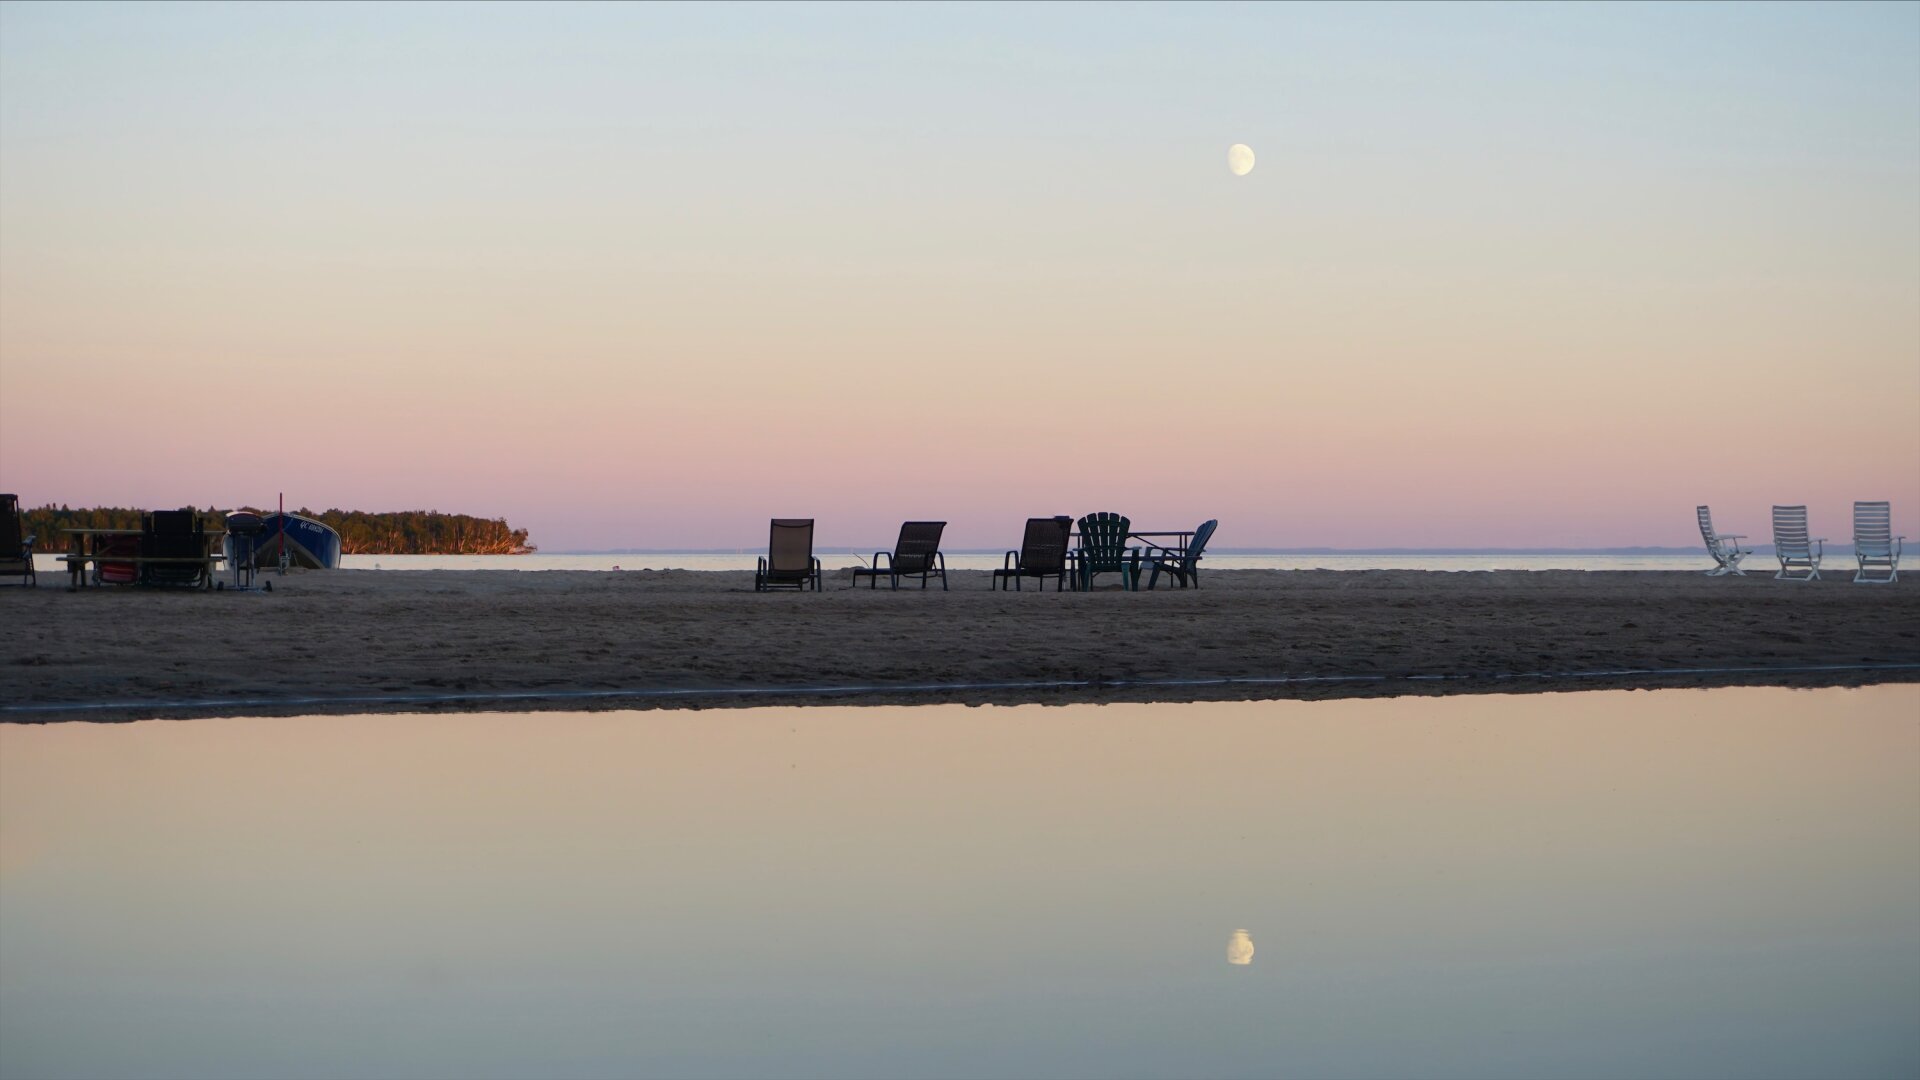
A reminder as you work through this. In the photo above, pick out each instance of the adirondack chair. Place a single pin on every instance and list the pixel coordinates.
(1042, 554)
(16, 550)
(1874, 543)
(1726, 554)
(916, 552)
(1183, 563)
(1799, 555)
(789, 561)
(1103, 550)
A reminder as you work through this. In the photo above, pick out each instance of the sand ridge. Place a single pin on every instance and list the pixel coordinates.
(384, 633)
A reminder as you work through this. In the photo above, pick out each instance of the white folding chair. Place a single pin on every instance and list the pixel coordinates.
(1799, 555)
(1721, 546)
(1874, 543)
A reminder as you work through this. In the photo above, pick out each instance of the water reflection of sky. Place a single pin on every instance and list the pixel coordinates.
(1680, 883)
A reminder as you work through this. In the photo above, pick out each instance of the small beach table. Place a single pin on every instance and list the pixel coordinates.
(1184, 538)
(80, 552)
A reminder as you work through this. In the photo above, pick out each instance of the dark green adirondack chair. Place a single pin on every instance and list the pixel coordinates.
(1104, 550)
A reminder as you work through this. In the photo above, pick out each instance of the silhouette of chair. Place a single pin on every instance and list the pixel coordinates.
(173, 534)
(16, 550)
(1042, 554)
(1103, 550)
(1726, 554)
(1182, 563)
(1799, 554)
(917, 552)
(1874, 543)
(789, 561)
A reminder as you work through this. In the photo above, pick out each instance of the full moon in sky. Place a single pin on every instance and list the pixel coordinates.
(1240, 159)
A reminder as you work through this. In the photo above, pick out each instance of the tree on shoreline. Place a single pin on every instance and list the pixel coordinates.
(405, 532)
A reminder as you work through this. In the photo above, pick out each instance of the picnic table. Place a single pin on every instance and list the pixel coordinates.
(83, 549)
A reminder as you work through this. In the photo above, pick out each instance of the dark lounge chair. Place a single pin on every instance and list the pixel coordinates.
(917, 552)
(1042, 554)
(1182, 563)
(173, 534)
(789, 561)
(16, 551)
(1103, 550)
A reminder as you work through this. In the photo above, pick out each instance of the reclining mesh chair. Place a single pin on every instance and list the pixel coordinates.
(916, 553)
(1042, 554)
(789, 561)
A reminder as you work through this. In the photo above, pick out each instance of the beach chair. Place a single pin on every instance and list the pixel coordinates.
(1042, 554)
(789, 561)
(1182, 563)
(16, 550)
(1874, 543)
(1726, 554)
(173, 534)
(916, 552)
(1103, 550)
(1799, 555)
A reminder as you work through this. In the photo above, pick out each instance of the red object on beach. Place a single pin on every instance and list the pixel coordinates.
(116, 573)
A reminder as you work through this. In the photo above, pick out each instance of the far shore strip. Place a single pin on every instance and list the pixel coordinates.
(367, 641)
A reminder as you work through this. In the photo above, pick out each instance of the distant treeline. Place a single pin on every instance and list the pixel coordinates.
(407, 532)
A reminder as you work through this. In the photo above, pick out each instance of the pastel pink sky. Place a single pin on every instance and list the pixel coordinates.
(646, 277)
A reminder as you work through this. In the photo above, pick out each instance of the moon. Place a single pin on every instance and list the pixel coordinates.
(1240, 948)
(1239, 159)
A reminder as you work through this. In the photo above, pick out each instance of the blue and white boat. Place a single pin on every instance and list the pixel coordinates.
(310, 544)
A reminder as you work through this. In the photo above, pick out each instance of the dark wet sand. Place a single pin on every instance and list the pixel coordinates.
(385, 635)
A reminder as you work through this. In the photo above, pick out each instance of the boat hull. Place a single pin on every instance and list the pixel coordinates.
(310, 544)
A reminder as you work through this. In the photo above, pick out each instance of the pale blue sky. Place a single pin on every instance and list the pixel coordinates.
(606, 232)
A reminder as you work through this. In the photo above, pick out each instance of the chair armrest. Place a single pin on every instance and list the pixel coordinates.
(878, 555)
(1007, 563)
(760, 565)
(1732, 536)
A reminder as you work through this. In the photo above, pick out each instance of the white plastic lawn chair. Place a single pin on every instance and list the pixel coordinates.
(1799, 555)
(1725, 552)
(1874, 543)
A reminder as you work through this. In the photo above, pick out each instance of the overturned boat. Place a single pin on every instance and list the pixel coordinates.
(308, 543)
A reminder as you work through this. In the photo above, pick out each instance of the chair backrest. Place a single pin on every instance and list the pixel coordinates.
(1706, 527)
(919, 542)
(1790, 529)
(1103, 542)
(11, 539)
(1198, 546)
(790, 546)
(1043, 550)
(1873, 527)
(173, 533)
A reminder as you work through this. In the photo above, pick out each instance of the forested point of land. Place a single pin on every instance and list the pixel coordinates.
(407, 532)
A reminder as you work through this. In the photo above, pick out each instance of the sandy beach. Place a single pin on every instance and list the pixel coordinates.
(369, 641)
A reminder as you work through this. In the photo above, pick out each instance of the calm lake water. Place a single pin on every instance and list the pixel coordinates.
(1674, 883)
(992, 560)
(49, 564)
